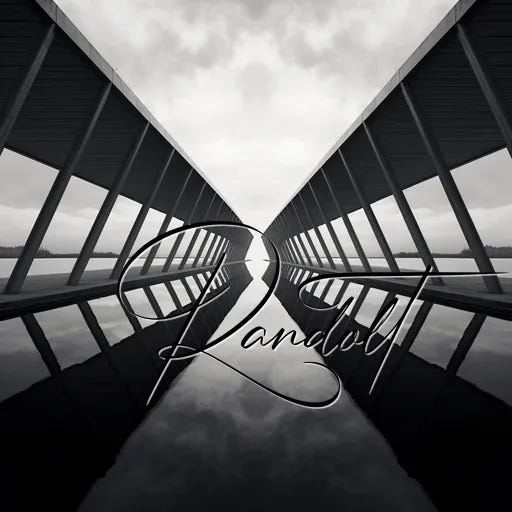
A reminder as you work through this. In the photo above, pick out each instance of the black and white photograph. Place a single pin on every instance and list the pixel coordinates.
(255, 255)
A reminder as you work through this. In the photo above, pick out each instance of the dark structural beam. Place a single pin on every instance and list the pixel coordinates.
(299, 238)
(207, 235)
(294, 242)
(348, 225)
(195, 235)
(372, 219)
(139, 221)
(307, 235)
(104, 212)
(214, 238)
(330, 229)
(452, 192)
(43, 221)
(163, 228)
(179, 238)
(317, 232)
(487, 83)
(25, 81)
(401, 201)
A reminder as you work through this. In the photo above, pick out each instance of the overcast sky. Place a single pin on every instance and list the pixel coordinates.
(256, 92)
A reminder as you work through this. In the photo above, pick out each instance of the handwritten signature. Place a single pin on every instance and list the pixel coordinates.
(324, 341)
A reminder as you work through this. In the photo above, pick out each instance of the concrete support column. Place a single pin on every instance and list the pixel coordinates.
(379, 235)
(139, 221)
(179, 238)
(195, 235)
(307, 235)
(401, 201)
(24, 83)
(104, 212)
(291, 239)
(487, 83)
(207, 236)
(463, 217)
(163, 228)
(317, 232)
(215, 236)
(297, 257)
(330, 229)
(304, 252)
(52, 201)
(348, 225)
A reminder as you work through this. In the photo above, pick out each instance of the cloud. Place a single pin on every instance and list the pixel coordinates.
(255, 91)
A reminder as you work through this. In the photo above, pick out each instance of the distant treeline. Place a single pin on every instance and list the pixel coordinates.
(14, 252)
(492, 252)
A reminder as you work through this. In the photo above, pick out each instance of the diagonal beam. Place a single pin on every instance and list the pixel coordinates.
(452, 192)
(104, 212)
(47, 212)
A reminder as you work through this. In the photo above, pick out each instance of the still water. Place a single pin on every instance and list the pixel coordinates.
(64, 265)
(76, 433)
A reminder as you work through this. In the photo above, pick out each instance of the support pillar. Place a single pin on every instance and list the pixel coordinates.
(139, 221)
(379, 235)
(52, 201)
(348, 225)
(463, 217)
(104, 212)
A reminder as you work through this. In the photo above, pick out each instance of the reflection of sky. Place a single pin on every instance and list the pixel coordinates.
(440, 334)
(20, 362)
(112, 319)
(218, 441)
(68, 335)
(489, 361)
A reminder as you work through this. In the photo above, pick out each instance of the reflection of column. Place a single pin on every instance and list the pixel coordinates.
(458, 357)
(47, 355)
(163, 228)
(106, 208)
(452, 192)
(24, 84)
(179, 238)
(330, 229)
(40, 227)
(307, 235)
(379, 235)
(348, 225)
(401, 201)
(487, 83)
(195, 235)
(106, 350)
(390, 368)
(139, 221)
(41, 343)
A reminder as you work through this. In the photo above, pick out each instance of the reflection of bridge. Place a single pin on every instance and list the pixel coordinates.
(63, 105)
(446, 432)
(63, 433)
(449, 104)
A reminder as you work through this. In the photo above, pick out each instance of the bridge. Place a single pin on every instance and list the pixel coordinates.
(449, 104)
(63, 105)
